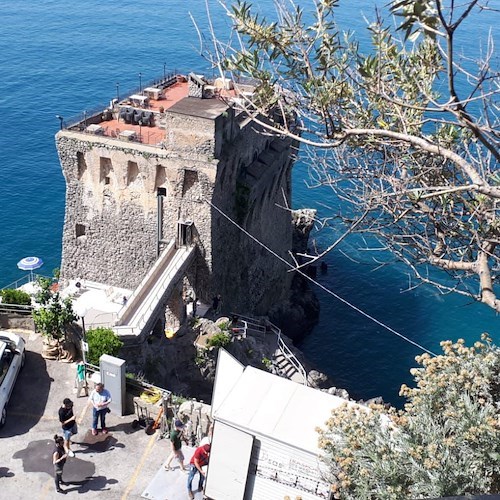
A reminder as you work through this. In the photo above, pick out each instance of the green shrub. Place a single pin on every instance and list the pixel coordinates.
(267, 363)
(219, 340)
(224, 326)
(14, 296)
(54, 316)
(102, 341)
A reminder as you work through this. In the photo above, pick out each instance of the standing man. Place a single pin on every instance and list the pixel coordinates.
(198, 461)
(175, 440)
(100, 399)
(68, 423)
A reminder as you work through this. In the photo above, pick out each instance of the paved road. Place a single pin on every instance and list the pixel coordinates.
(117, 466)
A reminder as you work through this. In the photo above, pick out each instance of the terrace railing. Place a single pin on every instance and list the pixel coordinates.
(255, 326)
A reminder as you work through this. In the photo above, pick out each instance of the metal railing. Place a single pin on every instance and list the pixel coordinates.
(24, 280)
(288, 354)
(16, 308)
(87, 114)
(256, 325)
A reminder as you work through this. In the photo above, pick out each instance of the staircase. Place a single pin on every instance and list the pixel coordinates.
(143, 306)
(284, 363)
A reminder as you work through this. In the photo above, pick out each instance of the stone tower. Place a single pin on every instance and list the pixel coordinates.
(177, 161)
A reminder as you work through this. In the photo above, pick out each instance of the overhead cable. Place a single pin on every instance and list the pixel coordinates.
(312, 280)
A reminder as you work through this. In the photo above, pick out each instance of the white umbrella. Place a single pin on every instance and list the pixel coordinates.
(30, 264)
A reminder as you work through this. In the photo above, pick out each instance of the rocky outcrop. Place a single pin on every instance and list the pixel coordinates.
(298, 315)
(303, 223)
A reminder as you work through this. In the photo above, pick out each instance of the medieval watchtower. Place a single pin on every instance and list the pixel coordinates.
(165, 166)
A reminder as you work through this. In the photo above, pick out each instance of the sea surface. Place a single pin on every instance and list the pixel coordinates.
(61, 57)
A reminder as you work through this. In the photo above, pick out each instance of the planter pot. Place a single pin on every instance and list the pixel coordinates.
(59, 350)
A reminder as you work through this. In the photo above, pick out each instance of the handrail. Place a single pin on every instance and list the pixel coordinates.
(285, 350)
(288, 354)
(135, 325)
(15, 308)
(27, 278)
(157, 297)
(135, 300)
(169, 79)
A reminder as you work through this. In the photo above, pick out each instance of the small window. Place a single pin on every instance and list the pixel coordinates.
(80, 230)
(161, 176)
(107, 180)
(190, 179)
(132, 172)
(106, 169)
(82, 164)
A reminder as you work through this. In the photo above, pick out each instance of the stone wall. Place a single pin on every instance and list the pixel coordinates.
(110, 229)
(16, 321)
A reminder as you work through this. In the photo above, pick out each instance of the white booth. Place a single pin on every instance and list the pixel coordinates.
(264, 442)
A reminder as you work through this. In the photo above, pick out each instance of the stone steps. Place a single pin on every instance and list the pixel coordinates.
(284, 368)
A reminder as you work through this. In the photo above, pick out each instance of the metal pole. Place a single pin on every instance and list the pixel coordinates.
(83, 339)
(164, 72)
(140, 83)
(118, 91)
(159, 220)
(60, 118)
(160, 193)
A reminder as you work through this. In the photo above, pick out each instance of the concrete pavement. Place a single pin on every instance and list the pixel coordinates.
(119, 465)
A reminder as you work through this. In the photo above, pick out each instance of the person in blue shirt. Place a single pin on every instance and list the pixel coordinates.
(100, 399)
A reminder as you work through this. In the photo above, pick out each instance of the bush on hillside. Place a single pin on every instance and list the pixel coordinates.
(102, 341)
(14, 296)
(445, 442)
(219, 340)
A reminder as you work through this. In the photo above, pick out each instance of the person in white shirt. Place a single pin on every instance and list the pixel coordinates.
(100, 399)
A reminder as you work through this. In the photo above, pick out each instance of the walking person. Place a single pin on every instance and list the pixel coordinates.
(100, 399)
(68, 423)
(217, 303)
(198, 461)
(59, 459)
(175, 440)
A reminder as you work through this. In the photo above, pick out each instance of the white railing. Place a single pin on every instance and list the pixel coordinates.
(151, 291)
(252, 324)
(288, 354)
(137, 298)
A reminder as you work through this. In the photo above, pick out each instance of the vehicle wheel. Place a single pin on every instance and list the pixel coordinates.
(3, 417)
(23, 360)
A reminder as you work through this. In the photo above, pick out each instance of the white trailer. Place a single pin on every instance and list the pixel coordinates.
(264, 443)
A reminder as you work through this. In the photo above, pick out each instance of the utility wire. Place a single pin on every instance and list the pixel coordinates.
(327, 290)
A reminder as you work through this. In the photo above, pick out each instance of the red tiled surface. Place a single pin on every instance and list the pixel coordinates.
(147, 135)
(153, 135)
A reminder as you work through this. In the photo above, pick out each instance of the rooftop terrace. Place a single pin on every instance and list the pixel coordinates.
(140, 117)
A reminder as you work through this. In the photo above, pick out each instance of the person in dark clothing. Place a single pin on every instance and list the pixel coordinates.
(68, 423)
(216, 303)
(59, 459)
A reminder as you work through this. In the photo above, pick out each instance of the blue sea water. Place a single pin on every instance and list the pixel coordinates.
(61, 58)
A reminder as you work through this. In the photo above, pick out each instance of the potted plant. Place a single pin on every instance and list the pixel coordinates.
(52, 316)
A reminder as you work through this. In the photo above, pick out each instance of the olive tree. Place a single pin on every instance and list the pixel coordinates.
(445, 442)
(52, 314)
(405, 131)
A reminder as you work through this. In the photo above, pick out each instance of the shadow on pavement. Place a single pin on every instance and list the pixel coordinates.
(37, 457)
(126, 428)
(99, 443)
(29, 397)
(91, 483)
(78, 473)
